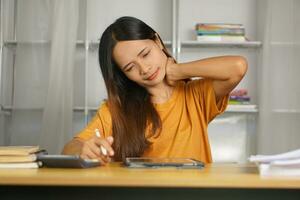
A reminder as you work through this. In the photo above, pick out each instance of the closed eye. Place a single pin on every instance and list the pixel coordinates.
(145, 55)
(129, 68)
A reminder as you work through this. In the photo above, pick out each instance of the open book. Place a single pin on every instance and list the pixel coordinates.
(285, 164)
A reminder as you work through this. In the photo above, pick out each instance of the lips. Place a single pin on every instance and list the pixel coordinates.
(153, 75)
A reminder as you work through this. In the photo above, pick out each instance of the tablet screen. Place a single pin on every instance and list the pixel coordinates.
(162, 162)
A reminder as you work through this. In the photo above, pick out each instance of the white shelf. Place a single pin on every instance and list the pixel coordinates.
(7, 109)
(247, 44)
(92, 44)
(242, 108)
(230, 108)
(285, 43)
(295, 111)
(35, 42)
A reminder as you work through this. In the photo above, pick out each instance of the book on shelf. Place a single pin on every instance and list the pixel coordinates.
(239, 92)
(226, 29)
(284, 164)
(220, 38)
(238, 102)
(218, 25)
(220, 32)
(239, 97)
(241, 106)
(20, 156)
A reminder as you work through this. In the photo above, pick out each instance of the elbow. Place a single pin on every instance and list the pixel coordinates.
(241, 67)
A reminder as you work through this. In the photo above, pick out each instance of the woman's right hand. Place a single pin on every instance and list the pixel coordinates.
(173, 72)
(91, 149)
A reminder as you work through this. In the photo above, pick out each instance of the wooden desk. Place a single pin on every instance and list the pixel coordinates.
(226, 181)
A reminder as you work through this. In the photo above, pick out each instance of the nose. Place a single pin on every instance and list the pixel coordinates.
(144, 68)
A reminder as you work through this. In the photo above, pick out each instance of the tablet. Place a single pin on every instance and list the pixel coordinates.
(142, 162)
(67, 161)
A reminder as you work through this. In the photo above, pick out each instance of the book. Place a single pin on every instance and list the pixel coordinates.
(220, 38)
(20, 156)
(239, 97)
(238, 32)
(284, 164)
(239, 92)
(242, 107)
(218, 26)
(27, 165)
(14, 159)
(220, 29)
(18, 150)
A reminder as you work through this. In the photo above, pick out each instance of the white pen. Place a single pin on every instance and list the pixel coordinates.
(103, 150)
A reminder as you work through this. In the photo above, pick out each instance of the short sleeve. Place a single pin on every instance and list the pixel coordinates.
(203, 89)
(101, 121)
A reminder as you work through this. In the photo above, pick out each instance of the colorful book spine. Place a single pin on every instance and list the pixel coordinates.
(218, 32)
(221, 32)
(239, 97)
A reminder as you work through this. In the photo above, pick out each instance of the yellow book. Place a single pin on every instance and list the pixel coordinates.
(20, 165)
(18, 159)
(18, 150)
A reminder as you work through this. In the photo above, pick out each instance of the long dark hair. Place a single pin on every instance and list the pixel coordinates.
(129, 103)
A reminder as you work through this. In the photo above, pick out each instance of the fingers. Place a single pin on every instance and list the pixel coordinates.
(106, 143)
(172, 71)
(110, 140)
(92, 149)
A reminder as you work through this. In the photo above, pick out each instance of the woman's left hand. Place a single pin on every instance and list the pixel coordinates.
(173, 72)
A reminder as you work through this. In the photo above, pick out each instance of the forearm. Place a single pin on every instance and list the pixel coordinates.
(74, 147)
(218, 68)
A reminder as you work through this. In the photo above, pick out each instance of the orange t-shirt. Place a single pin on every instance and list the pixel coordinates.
(185, 117)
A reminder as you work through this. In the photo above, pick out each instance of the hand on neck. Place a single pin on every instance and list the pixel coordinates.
(161, 92)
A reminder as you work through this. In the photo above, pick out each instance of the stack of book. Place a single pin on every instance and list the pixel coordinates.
(285, 164)
(220, 32)
(19, 156)
(239, 97)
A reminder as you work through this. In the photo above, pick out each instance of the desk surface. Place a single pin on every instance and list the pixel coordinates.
(213, 176)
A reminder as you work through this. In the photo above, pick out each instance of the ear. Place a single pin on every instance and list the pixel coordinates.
(158, 41)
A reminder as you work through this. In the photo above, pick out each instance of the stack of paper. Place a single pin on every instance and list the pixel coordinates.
(285, 164)
(19, 156)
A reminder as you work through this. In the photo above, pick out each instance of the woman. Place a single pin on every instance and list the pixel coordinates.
(154, 109)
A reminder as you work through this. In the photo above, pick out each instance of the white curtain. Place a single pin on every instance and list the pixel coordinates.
(42, 74)
(279, 94)
(58, 112)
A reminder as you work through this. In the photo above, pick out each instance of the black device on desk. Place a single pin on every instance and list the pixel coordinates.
(67, 161)
(142, 162)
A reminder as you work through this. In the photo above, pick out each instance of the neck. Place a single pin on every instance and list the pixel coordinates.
(161, 92)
